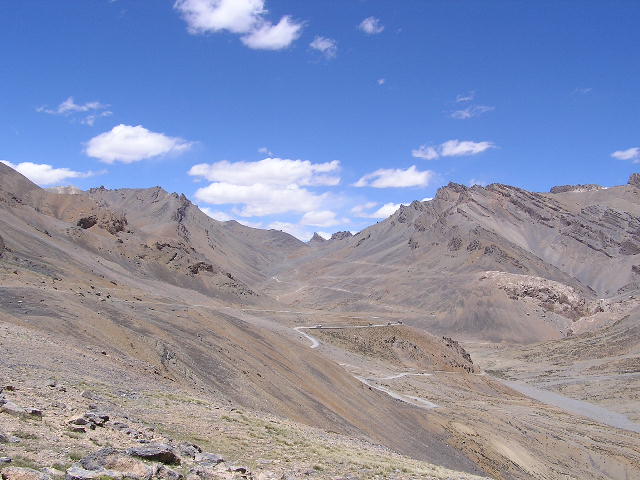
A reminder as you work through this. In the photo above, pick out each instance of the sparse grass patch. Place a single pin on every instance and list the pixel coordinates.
(24, 462)
(61, 466)
(76, 455)
(25, 435)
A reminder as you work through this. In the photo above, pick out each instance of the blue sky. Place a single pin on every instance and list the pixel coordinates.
(319, 115)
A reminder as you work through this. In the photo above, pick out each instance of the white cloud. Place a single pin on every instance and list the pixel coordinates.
(292, 229)
(466, 97)
(236, 16)
(70, 107)
(384, 211)
(327, 46)
(426, 153)
(225, 217)
(128, 144)
(451, 148)
(216, 214)
(245, 17)
(271, 171)
(382, 81)
(325, 235)
(322, 218)
(457, 148)
(261, 199)
(44, 174)
(632, 154)
(386, 178)
(273, 37)
(371, 26)
(582, 91)
(387, 210)
(471, 111)
(359, 210)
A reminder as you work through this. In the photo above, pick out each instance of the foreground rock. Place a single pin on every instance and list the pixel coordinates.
(158, 453)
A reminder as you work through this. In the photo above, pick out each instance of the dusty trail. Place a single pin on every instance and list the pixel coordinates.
(577, 407)
(411, 400)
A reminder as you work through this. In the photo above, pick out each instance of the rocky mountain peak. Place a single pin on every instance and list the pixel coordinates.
(634, 179)
(317, 238)
(341, 235)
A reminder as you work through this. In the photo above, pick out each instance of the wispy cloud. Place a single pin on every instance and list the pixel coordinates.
(471, 111)
(371, 26)
(466, 97)
(327, 46)
(70, 108)
(451, 148)
(582, 90)
(632, 154)
(396, 177)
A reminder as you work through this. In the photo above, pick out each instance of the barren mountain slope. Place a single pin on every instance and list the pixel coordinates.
(433, 259)
(181, 318)
(174, 220)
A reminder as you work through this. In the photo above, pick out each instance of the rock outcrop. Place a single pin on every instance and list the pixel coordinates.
(576, 188)
(341, 235)
(317, 239)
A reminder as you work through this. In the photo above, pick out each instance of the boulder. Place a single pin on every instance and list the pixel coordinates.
(12, 409)
(237, 469)
(166, 473)
(97, 418)
(156, 452)
(207, 458)
(78, 473)
(189, 449)
(5, 460)
(19, 473)
(91, 419)
(53, 472)
(204, 472)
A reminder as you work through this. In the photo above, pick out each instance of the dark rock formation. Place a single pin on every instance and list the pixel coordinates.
(341, 235)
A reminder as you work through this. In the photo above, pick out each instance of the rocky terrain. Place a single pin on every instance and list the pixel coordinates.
(142, 339)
